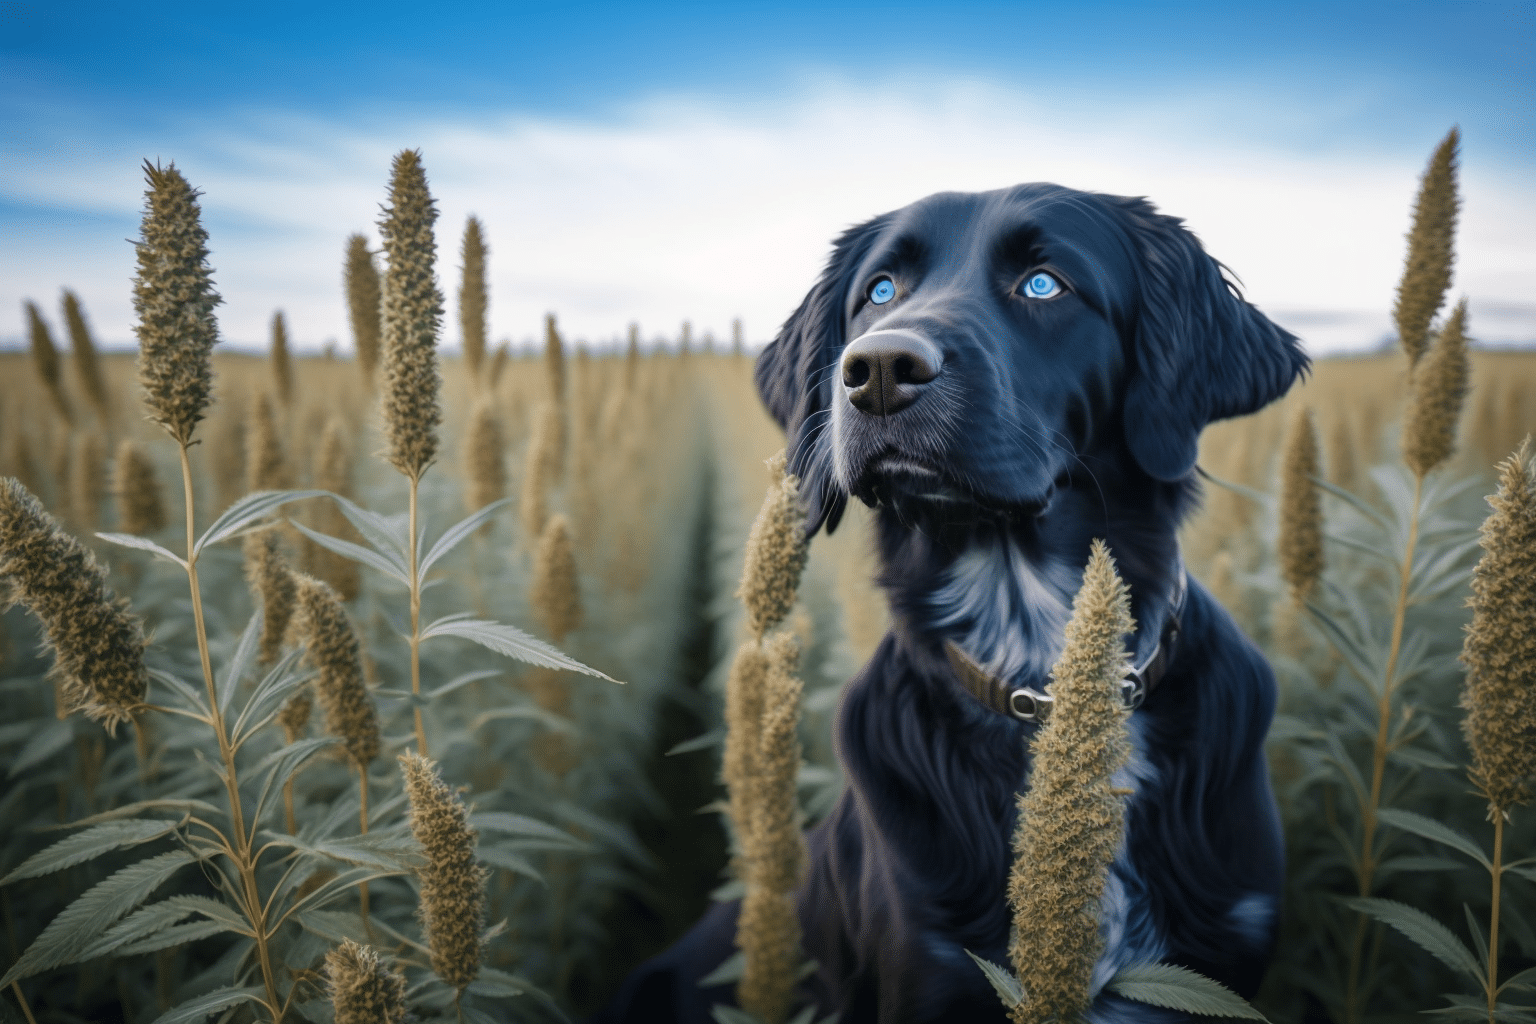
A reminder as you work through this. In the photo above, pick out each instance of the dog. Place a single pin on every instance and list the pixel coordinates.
(1004, 377)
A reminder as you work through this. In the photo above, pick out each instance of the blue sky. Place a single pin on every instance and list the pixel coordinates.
(666, 161)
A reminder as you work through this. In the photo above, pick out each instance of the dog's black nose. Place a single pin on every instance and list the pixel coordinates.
(883, 371)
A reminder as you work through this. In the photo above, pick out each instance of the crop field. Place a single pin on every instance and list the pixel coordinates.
(482, 779)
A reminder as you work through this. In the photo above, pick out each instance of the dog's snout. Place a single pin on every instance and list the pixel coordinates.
(884, 371)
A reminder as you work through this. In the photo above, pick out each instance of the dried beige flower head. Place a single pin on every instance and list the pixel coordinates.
(556, 589)
(1341, 454)
(498, 365)
(332, 471)
(744, 698)
(266, 468)
(321, 623)
(98, 647)
(87, 362)
(1071, 821)
(1439, 389)
(554, 360)
(282, 361)
(365, 306)
(45, 356)
(776, 552)
(87, 480)
(363, 989)
(136, 490)
(1431, 250)
(1300, 545)
(485, 469)
(452, 882)
(413, 311)
(473, 297)
(271, 581)
(780, 853)
(174, 298)
(1499, 692)
(541, 469)
(768, 929)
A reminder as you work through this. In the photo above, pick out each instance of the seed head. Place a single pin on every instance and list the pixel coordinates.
(768, 930)
(1499, 692)
(556, 589)
(365, 305)
(776, 552)
(541, 469)
(485, 470)
(1341, 454)
(282, 361)
(1301, 511)
(1439, 388)
(744, 697)
(413, 312)
(271, 581)
(174, 298)
(554, 360)
(136, 489)
(452, 883)
(45, 356)
(332, 471)
(98, 647)
(321, 623)
(473, 298)
(265, 467)
(87, 480)
(498, 365)
(87, 363)
(780, 852)
(1431, 250)
(1071, 821)
(363, 989)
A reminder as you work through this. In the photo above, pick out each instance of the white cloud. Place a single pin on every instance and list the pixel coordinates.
(684, 207)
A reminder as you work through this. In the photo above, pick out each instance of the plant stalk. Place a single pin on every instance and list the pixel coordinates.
(16, 987)
(421, 732)
(243, 861)
(1493, 916)
(1380, 751)
(362, 889)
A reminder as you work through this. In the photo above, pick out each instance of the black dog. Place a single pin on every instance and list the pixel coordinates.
(1006, 376)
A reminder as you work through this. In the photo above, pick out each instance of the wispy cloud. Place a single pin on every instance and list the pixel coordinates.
(687, 207)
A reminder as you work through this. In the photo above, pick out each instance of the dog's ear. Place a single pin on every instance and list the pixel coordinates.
(794, 375)
(1201, 353)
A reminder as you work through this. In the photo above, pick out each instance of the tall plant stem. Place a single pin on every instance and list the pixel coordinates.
(1382, 748)
(16, 987)
(362, 889)
(421, 732)
(1493, 917)
(244, 862)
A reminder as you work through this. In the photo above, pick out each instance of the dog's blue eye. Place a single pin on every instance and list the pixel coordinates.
(883, 291)
(1041, 286)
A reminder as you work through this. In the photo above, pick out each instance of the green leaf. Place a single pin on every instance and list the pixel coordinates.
(1003, 982)
(386, 534)
(129, 810)
(189, 696)
(1477, 938)
(1358, 660)
(1424, 758)
(1429, 934)
(456, 533)
(128, 540)
(51, 739)
(1178, 988)
(731, 1015)
(463, 680)
(245, 653)
(493, 976)
(505, 823)
(510, 641)
(1355, 503)
(356, 552)
(246, 512)
(81, 923)
(392, 851)
(175, 935)
(93, 842)
(548, 719)
(275, 688)
(1429, 828)
(1526, 979)
(730, 969)
(713, 738)
(141, 931)
(500, 857)
(282, 763)
(205, 1006)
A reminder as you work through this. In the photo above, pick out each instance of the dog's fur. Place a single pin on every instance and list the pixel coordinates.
(1053, 422)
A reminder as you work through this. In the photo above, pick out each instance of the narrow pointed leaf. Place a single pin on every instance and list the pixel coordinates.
(1003, 982)
(51, 739)
(275, 688)
(129, 810)
(245, 653)
(128, 540)
(190, 697)
(458, 531)
(356, 552)
(81, 923)
(730, 970)
(281, 764)
(1355, 503)
(500, 857)
(84, 846)
(1359, 662)
(1525, 980)
(205, 1006)
(1427, 933)
(507, 824)
(248, 511)
(1178, 988)
(1429, 828)
(713, 738)
(464, 680)
(175, 935)
(512, 642)
(385, 533)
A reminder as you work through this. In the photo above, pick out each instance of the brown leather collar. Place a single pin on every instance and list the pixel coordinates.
(1028, 704)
